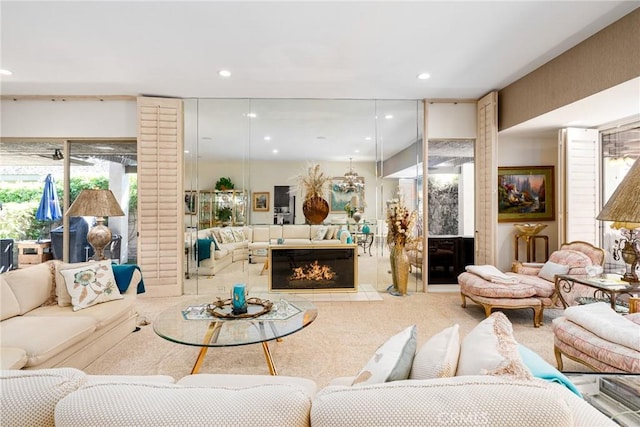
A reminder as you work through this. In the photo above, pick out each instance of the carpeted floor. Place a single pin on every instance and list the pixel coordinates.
(338, 343)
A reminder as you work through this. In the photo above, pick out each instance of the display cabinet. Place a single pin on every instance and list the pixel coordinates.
(222, 207)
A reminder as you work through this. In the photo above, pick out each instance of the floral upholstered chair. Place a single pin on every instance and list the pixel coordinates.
(530, 285)
(571, 258)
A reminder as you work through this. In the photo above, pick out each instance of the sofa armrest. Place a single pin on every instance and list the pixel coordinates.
(528, 268)
(135, 284)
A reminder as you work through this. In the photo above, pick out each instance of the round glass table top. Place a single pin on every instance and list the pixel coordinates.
(189, 323)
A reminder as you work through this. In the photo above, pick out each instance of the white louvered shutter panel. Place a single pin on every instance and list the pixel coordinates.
(160, 177)
(578, 177)
(486, 170)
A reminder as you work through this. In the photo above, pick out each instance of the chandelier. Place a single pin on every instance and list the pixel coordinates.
(351, 182)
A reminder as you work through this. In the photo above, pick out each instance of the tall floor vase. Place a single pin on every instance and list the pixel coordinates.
(399, 270)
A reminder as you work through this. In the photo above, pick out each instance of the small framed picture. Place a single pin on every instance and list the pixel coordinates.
(261, 202)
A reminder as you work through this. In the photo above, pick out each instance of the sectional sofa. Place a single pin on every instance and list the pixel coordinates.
(40, 329)
(213, 249)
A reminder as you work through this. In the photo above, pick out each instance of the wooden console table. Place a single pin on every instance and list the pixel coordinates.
(530, 243)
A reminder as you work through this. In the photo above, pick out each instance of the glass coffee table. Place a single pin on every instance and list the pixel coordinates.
(608, 287)
(615, 395)
(191, 324)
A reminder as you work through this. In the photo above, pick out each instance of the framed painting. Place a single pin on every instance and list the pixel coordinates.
(526, 194)
(190, 202)
(340, 197)
(261, 202)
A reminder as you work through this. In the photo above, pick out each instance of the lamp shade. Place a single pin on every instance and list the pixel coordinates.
(101, 203)
(624, 205)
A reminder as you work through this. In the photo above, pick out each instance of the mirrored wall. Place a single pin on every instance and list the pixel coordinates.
(262, 145)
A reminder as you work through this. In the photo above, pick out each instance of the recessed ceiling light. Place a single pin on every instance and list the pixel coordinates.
(274, 151)
(224, 73)
(388, 116)
(186, 151)
(252, 115)
(5, 72)
(423, 76)
(367, 138)
(356, 151)
(267, 138)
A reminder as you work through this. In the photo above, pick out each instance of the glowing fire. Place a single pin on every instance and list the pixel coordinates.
(313, 271)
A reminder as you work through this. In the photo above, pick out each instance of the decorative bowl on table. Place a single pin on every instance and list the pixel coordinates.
(530, 229)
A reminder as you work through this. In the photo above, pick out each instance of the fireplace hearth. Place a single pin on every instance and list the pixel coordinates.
(313, 267)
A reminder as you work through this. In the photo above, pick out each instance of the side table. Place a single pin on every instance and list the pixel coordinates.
(33, 252)
(530, 243)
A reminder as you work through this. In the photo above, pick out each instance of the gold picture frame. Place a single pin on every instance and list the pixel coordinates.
(261, 201)
(526, 193)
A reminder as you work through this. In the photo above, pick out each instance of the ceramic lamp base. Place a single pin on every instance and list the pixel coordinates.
(99, 237)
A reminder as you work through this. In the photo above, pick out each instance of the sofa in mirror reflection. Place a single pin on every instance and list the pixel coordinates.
(213, 249)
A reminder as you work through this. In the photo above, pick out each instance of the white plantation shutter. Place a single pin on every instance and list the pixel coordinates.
(578, 183)
(486, 170)
(160, 178)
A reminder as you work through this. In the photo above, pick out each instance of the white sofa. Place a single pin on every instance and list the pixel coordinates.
(292, 234)
(232, 244)
(485, 379)
(39, 329)
(69, 397)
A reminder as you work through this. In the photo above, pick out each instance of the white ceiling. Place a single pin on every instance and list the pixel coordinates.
(304, 49)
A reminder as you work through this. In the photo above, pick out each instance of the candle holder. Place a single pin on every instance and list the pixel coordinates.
(239, 299)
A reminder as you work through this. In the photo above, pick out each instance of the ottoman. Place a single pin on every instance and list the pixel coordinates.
(583, 346)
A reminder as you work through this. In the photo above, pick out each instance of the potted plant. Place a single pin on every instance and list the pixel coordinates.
(224, 183)
(314, 185)
(224, 214)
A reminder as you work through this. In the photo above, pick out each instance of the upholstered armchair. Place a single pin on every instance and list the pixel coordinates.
(576, 257)
(414, 249)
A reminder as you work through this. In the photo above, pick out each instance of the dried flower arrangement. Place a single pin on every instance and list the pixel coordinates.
(314, 183)
(400, 223)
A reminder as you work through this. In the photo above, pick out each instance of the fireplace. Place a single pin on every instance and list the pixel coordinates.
(300, 268)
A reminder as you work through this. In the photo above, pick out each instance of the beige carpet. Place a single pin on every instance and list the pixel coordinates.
(338, 343)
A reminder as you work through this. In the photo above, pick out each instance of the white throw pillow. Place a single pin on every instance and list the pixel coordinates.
(438, 357)
(391, 361)
(227, 236)
(238, 234)
(491, 349)
(331, 232)
(550, 269)
(320, 233)
(91, 284)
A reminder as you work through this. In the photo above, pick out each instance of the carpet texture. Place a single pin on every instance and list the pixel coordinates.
(338, 343)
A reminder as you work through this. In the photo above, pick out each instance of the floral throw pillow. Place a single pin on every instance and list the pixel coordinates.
(91, 284)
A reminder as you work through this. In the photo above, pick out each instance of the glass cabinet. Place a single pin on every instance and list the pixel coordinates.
(222, 207)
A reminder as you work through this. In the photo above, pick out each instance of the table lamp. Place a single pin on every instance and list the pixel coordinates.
(101, 204)
(623, 208)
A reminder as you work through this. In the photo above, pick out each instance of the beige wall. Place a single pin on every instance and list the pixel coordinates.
(607, 58)
(521, 151)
